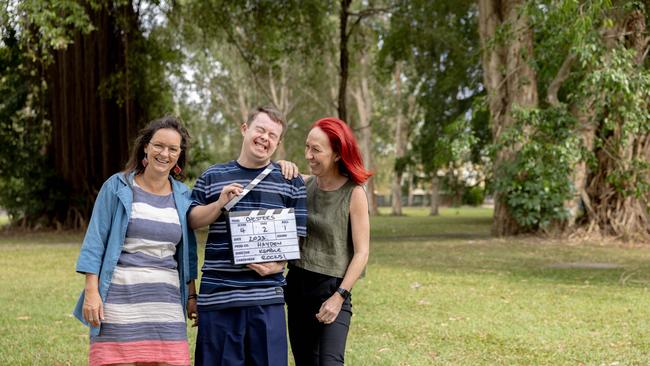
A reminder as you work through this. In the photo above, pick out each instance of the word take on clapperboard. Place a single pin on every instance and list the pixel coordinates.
(258, 236)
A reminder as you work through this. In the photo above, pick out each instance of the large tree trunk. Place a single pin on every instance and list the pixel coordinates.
(587, 133)
(607, 210)
(91, 132)
(584, 113)
(435, 196)
(363, 99)
(510, 81)
(343, 59)
(409, 201)
(615, 212)
(400, 144)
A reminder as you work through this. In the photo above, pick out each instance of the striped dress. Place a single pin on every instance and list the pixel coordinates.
(144, 319)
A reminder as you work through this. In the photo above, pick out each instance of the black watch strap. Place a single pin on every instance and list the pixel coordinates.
(345, 294)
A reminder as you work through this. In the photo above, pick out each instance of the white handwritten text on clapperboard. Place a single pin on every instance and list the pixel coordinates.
(264, 236)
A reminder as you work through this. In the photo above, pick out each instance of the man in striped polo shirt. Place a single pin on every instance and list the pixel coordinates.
(241, 308)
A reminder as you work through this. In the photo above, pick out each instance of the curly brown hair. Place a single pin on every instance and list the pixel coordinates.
(144, 137)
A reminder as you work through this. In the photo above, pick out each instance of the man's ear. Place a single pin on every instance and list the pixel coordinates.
(243, 128)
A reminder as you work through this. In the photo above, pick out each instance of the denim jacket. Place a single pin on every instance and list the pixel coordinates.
(106, 233)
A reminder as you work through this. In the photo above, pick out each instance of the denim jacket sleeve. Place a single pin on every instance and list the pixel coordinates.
(96, 238)
(191, 239)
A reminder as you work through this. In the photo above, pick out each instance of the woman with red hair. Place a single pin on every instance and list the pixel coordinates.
(335, 252)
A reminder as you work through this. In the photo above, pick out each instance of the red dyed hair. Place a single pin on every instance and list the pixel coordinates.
(345, 145)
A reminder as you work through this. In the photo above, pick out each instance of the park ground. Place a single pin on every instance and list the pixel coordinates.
(438, 291)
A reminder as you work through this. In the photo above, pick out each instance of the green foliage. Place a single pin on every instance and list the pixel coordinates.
(263, 31)
(243, 54)
(33, 194)
(474, 196)
(536, 182)
(463, 144)
(41, 26)
(22, 135)
(152, 59)
(605, 87)
(625, 114)
(401, 164)
(439, 42)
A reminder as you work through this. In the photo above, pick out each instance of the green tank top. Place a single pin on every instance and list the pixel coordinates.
(327, 248)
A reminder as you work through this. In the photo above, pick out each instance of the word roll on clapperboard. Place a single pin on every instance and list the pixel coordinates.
(263, 235)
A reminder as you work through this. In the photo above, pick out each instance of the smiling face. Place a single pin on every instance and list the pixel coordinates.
(318, 152)
(261, 139)
(163, 150)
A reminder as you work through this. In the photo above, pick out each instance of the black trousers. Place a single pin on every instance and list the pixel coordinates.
(314, 343)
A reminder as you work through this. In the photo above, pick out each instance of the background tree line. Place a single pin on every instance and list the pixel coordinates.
(541, 104)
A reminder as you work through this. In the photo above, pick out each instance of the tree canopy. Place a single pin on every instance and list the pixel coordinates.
(541, 104)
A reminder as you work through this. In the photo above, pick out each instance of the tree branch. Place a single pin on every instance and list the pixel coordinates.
(354, 25)
(371, 11)
(248, 61)
(560, 78)
(317, 99)
(365, 13)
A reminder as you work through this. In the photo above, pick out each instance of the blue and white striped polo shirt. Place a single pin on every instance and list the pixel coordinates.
(224, 285)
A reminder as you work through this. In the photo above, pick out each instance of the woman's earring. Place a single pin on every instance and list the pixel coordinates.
(177, 170)
(145, 162)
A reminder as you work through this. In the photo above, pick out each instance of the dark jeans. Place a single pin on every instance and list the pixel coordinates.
(314, 343)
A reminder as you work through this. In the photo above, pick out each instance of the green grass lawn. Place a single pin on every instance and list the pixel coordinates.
(438, 291)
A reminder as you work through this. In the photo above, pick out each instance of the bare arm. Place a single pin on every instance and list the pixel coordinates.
(204, 215)
(93, 308)
(192, 312)
(360, 221)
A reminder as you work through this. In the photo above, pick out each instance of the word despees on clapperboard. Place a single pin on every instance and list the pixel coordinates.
(263, 235)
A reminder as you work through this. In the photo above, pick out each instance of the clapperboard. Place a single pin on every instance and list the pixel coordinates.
(258, 236)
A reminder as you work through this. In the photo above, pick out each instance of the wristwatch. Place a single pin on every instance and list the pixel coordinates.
(345, 294)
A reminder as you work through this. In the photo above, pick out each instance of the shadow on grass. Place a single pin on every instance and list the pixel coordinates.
(459, 242)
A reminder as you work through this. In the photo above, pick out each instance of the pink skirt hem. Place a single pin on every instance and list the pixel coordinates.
(170, 352)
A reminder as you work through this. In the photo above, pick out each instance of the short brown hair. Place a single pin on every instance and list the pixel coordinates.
(274, 114)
